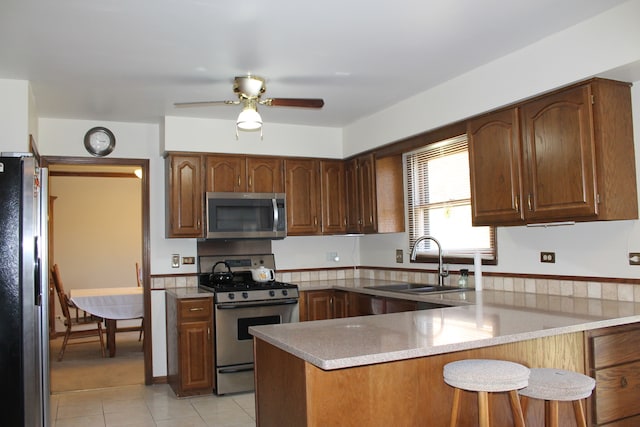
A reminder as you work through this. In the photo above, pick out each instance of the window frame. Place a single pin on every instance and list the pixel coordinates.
(459, 257)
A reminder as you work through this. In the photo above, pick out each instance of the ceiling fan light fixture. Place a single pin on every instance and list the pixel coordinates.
(249, 119)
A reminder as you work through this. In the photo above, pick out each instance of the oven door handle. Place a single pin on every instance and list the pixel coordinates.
(258, 304)
(234, 370)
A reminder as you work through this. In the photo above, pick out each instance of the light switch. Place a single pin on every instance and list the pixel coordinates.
(175, 260)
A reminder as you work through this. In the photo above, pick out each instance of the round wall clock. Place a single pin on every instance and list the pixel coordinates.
(99, 141)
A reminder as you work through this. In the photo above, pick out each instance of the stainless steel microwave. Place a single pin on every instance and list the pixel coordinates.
(246, 215)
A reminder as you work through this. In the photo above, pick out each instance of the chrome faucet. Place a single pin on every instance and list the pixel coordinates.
(441, 273)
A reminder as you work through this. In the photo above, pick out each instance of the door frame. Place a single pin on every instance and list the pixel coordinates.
(46, 161)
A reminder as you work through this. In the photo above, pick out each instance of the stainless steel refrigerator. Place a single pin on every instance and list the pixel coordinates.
(24, 348)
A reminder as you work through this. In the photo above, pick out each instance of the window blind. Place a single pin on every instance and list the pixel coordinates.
(439, 201)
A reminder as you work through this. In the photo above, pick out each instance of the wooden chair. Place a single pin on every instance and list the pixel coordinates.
(75, 328)
(139, 279)
(141, 327)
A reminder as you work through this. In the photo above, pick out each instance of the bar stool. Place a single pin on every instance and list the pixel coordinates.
(486, 376)
(555, 385)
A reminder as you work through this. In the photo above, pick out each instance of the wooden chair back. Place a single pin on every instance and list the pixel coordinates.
(62, 296)
(138, 274)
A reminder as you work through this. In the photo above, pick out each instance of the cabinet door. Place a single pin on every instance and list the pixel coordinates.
(185, 197)
(265, 175)
(354, 225)
(363, 305)
(196, 355)
(367, 185)
(389, 200)
(226, 173)
(559, 155)
(340, 304)
(394, 305)
(303, 196)
(495, 168)
(319, 304)
(334, 215)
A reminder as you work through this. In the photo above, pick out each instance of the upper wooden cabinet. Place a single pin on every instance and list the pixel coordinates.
(565, 156)
(324, 196)
(333, 204)
(244, 174)
(302, 188)
(375, 194)
(316, 198)
(184, 195)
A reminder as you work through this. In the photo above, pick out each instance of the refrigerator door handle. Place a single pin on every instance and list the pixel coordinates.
(37, 284)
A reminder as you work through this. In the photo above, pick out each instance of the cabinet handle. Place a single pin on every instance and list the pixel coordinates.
(315, 220)
(208, 333)
(238, 180)
(529, 202)
(250, 182)
(623, 382)
(517, 202)
(196, 309)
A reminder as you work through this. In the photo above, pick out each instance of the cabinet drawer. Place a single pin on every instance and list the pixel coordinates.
(627, 422)
(617, 392)
(615, 349)
(197, 308)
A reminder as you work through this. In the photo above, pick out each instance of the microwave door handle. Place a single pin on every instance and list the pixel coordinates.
(274, 203)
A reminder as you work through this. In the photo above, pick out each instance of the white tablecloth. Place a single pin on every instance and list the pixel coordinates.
(110, 303)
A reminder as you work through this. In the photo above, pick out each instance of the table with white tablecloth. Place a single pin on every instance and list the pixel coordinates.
(111, 304)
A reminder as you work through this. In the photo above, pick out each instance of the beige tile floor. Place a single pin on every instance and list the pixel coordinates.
(154, 406)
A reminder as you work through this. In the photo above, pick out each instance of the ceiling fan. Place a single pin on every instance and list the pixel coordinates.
(249, 90)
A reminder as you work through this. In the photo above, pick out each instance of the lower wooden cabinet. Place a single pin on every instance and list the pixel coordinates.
(323, 304)
(365, 305)
(334, 304)
(614, 361)
(190, 345)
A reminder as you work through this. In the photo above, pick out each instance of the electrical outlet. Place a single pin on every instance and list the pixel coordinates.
(175, 260)
(549, 257)
(188, 260)
(634, 258)
(399, 256)
(333, 256)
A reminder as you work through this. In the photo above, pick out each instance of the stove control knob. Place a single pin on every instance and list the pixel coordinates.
(285, 292)
(245, 295)
(231, 295)
(272, 293)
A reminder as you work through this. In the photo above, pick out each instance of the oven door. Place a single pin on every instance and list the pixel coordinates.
(234, 343)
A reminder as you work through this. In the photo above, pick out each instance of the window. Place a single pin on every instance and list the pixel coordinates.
(439, 203)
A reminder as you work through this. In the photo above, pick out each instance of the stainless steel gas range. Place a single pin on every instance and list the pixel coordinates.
(241, 302)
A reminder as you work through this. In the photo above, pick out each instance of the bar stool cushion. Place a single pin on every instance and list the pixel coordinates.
(558, 384)
(486, 375)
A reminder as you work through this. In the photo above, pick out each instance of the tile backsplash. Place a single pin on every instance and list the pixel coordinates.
(578, 288)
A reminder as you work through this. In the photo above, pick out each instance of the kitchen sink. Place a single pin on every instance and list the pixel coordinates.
(415, 288)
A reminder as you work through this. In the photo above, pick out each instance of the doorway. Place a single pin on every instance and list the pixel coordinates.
(87, 171)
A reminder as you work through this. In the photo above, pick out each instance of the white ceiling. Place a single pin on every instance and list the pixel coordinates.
(130, 60)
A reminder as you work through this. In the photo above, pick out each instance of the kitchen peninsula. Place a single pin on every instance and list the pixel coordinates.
(387, 369)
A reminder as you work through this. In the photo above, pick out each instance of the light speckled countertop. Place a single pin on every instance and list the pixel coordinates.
(189, 292)
(479, 319)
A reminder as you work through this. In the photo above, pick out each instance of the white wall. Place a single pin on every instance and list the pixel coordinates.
(218, 136)
(14, 115)
(606, 45)
(597, 46)
(96, 230)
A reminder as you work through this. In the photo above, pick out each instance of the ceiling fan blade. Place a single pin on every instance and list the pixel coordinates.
(203, 103)
(294, 102)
